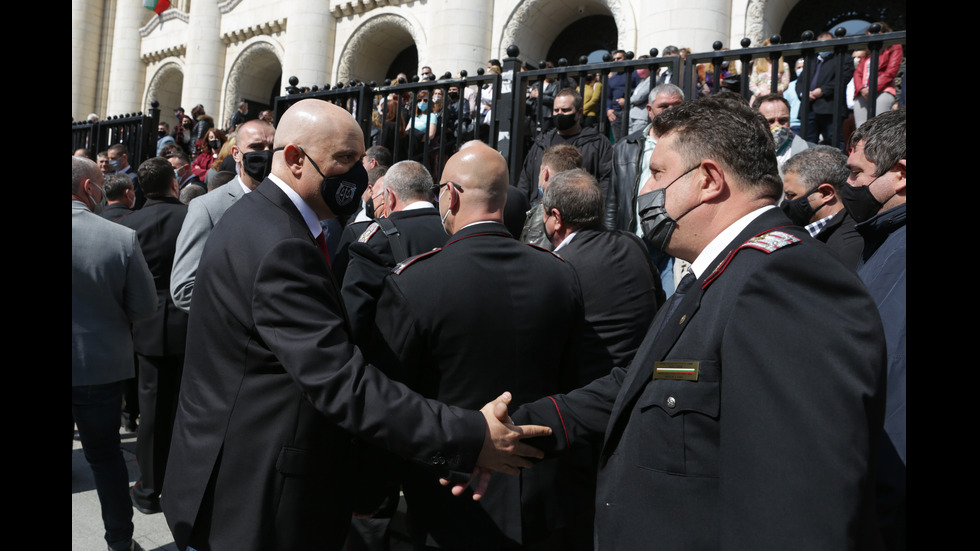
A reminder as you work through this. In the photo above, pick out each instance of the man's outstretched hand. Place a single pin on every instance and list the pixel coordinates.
(502, 450)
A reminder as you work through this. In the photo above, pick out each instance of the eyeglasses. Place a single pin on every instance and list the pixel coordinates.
(437, 189)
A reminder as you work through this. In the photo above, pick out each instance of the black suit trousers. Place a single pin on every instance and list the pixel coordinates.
(159, 383)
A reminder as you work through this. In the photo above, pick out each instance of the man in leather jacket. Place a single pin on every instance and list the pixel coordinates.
(631, 157)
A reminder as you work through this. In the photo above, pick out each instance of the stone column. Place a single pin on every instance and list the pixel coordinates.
(458, 36)
(204, 68)
(126, 69)
(695, 25)
(86, 37)
(309, 43)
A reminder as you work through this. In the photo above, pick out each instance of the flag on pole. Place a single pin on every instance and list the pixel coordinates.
(158, 6)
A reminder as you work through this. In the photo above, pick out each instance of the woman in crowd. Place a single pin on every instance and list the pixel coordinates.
(889, 63)
(760, 79)
(591, 97)
(423, 124)
(207, 153)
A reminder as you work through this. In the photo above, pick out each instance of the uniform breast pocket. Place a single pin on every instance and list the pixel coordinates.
(675, 425)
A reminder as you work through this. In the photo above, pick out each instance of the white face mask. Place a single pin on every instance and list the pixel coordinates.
(444, 216)
(97, 207)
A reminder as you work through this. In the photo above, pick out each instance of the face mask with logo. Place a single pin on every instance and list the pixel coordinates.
(657, 225)
(115, 164)
(340, 192)
(257, 164)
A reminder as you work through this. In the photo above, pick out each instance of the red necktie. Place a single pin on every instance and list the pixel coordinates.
(322, 242)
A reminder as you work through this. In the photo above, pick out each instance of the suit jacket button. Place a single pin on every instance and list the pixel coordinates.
(671, 402)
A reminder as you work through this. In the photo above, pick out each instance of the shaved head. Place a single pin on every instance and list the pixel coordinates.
(321, 131)
(479, 167)
(481, 175)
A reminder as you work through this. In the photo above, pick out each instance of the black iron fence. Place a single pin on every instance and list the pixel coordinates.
(138, 132)
(505, 118)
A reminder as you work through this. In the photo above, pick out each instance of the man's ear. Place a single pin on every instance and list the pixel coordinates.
(900, 189)
(236, 154)
(294, 158)
(712, 180)
(390, 200)
(556, 214)
(826, 192)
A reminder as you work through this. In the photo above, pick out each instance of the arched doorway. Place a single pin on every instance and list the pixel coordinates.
(588, 35)
(826, 15)
(256, 76)
(543, 29)
(166, 88)
(380, 48)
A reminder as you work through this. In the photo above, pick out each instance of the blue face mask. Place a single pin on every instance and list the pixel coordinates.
(423, 106)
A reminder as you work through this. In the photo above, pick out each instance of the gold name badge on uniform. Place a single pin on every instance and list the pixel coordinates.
(677, 371)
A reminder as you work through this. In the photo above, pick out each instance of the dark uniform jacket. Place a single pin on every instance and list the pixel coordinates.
(371, 258)
(273, 393)
(115, 211)
(484, 315)
(772, 446)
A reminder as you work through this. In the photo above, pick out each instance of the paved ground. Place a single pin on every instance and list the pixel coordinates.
(151, 531)
(87, 533)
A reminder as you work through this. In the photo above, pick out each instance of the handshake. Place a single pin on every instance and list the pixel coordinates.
(502, 450)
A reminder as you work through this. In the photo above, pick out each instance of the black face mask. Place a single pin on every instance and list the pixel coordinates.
(257, 164)
(657, 225)
(454, 96)
(799, 210)
(860, 202)
(369, 207)
(341, 192)
(215, 145)
(565, 121)
(161, 133)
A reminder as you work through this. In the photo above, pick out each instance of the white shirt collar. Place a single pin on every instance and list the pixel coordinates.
(566, 241)
(245, 188)
(420, 205)
(722, 240)
(310, 217)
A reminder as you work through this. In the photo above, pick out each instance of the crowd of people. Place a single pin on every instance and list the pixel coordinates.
(318, 327)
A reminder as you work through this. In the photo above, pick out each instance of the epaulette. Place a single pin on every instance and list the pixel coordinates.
(400, 267)
(366, 235)
(540, 248)
(768, 242)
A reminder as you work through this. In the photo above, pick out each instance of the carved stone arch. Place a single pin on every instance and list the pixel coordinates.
(376, 41)
(534, 24)
(253, 74)
(165, 86)
(763, 18)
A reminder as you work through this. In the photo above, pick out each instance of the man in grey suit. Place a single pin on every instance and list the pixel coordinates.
(253, 156)
(111, 286)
